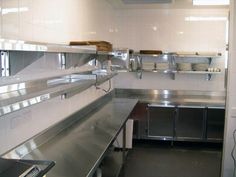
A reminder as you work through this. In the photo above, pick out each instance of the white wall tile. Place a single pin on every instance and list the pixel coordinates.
(10, 19)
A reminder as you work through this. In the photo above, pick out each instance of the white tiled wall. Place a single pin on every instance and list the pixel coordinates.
(56, 21)
(170, 29)
(60, 21)
(164, 81)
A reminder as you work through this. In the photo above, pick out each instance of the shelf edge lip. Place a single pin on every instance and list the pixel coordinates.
(29, 46)
(197, 72)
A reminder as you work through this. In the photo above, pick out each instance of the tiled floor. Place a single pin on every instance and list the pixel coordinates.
(162, 160)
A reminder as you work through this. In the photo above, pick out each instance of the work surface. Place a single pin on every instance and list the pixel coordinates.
(78, 149)
(174, 98)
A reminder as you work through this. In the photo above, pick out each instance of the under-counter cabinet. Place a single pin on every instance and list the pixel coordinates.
(215, 124)
(161, 121)
(190, 123)
(178, 123)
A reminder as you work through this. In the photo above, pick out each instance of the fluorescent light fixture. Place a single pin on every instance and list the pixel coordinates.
(14, 10)
(195, 18)
(210, 2)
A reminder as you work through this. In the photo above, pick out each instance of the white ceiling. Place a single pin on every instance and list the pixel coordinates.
(176, 4)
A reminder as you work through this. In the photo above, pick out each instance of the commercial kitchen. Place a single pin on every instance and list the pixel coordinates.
(118, 88)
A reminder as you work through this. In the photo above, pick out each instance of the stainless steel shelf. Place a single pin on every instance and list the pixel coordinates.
(105, 53)
(199, 56)
(147, 55)
(160, 71)
(16, 45)
(18, 96)
(197, 72)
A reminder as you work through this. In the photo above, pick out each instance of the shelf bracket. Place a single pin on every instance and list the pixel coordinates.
(5, 64)
(62, 60)
(208, 77)
(139, 74)
(210, 60)
(172, 75)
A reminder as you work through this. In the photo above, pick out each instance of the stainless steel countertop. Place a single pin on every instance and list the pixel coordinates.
(79, 148)
(174, 98)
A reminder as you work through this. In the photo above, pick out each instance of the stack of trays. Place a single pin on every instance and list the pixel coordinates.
(200, 67)
(150, 52)
(184, 66)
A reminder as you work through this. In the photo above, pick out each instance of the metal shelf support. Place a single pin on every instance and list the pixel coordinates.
(5, 64)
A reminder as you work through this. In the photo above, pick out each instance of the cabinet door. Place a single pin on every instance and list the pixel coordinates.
(161, 122)
(215, 123)
(190, 123)
(139, 115)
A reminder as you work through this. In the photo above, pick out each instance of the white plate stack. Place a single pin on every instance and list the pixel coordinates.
(148, 65)
(162, 66)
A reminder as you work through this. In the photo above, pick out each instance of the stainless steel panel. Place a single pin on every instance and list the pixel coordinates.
(215, 124)
(17, 45)
(161, 122)
(161, 105)
(190, 123)
(79, 149)
(33, 143)
(174, 97)
(20, 60)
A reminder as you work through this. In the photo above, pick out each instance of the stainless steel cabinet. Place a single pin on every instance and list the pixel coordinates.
(190, 123)
(215, 124)
(178, 123)
(161, 121)
(139, 115)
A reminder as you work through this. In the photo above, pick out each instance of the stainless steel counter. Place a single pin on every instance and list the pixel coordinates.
(175, 98)
(79, 149)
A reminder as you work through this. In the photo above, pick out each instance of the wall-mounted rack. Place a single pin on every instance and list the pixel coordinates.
(150, 61)
(17, 96)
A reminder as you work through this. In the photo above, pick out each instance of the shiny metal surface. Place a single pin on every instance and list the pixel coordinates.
(174, 97)
(79, 148)
(16, 45)
(33, 143)
(18, 96)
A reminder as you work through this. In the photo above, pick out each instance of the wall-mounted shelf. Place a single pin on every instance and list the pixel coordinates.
(172, 59)
(18, 96)
(105, 53)
(207, 73)
(25, 46)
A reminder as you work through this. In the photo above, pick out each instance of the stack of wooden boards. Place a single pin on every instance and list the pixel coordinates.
(101, 45)
(150, 52)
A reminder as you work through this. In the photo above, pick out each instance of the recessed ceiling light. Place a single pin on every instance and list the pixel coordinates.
(210, 2)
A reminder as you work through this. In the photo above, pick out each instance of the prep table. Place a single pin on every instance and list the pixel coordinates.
(79, 148)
